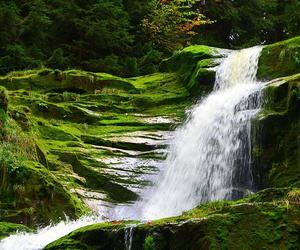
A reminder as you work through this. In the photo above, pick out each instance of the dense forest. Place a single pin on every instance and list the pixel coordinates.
(130, 37)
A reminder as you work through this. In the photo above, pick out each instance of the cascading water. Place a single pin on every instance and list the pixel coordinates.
(209, 158)
(129, 236)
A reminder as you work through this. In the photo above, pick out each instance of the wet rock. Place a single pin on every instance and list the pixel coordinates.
(276, 147)
(280, 59)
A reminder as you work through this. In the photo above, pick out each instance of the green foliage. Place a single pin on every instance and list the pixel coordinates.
(128, 38)
(60, 33)
(171, 23)
(11, 166)
(9, 22)
(36, 24)
(149, 243)
(107, 28)
(15, 148)
(3, 117)
(91, 35)
(294, 195)
(3, 102)
(17, 57)
(58, 60)
(247, 23)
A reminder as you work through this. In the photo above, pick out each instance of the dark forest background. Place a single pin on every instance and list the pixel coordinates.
(131, 37)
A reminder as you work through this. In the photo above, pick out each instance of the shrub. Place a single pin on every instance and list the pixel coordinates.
(294, 195)
(58, 60)
(3, 99)
(149, 243)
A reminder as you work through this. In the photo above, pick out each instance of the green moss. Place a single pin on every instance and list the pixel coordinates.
(75, 80)
(202, 80)
(72, 117)
(29, 192)
(191, 66)
(34, 195)
(233, 226)
(149, 243)
(278, 126)
(7, 229)
(3, 99)
(280, 59)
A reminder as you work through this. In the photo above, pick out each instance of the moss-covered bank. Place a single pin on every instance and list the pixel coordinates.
(7, 229)
(60, 129)
(219, 225)
(195, 67)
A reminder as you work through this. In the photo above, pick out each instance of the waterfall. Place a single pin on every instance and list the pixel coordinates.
(210, 156)
(129, 236)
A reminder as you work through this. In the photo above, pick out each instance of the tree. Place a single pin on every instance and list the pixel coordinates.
(172, 23)
(242, 23)
(9, 23)
(36, 24)
(106, 27)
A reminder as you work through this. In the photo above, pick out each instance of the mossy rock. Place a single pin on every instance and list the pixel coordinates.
(279, 59)
(192, 63)
(75, 127)
(97, 181)
(32, 195)
(203, 78)
(277, 139)
(7, 229)
(60, 81)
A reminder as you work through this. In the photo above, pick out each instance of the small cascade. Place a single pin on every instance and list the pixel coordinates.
(129, 236)
(210, 156)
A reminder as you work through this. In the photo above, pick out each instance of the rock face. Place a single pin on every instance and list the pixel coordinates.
(195, 66)
(276, 148)
(76, 140)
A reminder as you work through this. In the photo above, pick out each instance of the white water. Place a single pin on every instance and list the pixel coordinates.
(32, 241)
(129, 236)
(209, 158)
